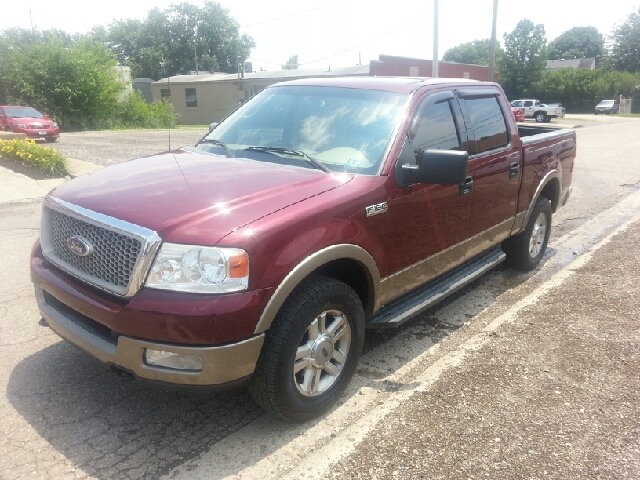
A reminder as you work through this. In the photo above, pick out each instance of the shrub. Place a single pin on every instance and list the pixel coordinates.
(134, 112)
(28, 152)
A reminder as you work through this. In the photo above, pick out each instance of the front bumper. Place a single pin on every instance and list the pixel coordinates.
(223, 364)
(35, 134)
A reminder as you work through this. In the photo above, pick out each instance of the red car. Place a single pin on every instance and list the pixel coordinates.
(518, 113)
(29, 121)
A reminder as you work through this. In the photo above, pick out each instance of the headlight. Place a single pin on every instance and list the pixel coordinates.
(194, 269)
(19, 125)
(54, 125)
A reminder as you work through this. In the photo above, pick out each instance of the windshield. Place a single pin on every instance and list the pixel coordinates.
(606, 102)
(344, 129)
(22, 112)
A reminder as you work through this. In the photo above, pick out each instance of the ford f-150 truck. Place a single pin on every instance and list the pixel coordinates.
(539, 111)
(319, 208)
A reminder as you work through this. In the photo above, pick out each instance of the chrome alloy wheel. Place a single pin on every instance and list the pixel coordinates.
(538, 234)
(322, 353)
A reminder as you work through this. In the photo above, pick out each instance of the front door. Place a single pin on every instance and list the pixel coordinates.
(424, 220)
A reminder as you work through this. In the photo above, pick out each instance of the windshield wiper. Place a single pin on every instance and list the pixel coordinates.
(219, 143)
(295, 153)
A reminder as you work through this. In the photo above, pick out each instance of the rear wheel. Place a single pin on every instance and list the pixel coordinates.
(311, 351)
(540, 117)
(525, 250)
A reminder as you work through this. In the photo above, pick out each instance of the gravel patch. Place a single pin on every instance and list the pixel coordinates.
(116, 146)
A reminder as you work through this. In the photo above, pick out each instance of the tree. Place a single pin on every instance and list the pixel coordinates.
(171, 41)
(474, 53)
(292, 63)
(74, 81)
(524, 59)
(581, 89)
(578, 42)
(625, 45)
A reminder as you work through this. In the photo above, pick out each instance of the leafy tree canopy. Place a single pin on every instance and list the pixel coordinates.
(578, 42)
(70, 78)
(625, 45)
(474, 53)
(292, 63)
(171, 41)
(524, 58)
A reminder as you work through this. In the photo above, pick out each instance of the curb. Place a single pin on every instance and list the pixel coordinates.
(20, 188)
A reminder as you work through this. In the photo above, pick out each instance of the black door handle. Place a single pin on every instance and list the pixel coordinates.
(514, 169)
(467, 187)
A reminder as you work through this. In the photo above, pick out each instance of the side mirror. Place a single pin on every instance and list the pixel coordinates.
(212, 125)
(47, 116)
(437, 167)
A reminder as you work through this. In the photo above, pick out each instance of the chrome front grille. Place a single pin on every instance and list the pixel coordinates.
(111, 254)
(114, 255)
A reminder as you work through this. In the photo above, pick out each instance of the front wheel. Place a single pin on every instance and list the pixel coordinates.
(540, 117)
(525, 250)
(311, 350)
(51, 140)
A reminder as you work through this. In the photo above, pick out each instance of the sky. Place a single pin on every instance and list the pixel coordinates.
(338, 33)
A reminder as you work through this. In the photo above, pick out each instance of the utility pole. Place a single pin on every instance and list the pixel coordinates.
(492, 45)
(434, 63)
(33, 33)
(195, 55)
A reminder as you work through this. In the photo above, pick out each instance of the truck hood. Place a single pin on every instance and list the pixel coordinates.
(193, 198)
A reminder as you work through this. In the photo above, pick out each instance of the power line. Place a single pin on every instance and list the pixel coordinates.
(355, 46)
(293, 14)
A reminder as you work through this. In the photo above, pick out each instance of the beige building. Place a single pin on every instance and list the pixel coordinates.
(205, 98)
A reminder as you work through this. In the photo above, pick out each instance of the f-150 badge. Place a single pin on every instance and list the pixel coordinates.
(376, 209)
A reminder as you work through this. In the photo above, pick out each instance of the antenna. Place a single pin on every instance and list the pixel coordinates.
(169, 88)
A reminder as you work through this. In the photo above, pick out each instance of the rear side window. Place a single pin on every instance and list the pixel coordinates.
(436, 130)
(488, 123)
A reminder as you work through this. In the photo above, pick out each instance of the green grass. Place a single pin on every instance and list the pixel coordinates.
(27, 152)
(629, 115)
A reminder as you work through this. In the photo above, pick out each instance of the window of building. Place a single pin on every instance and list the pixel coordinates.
(437, 130)
(165, 94)
(191, 98)
(465, 75)
(488, 123)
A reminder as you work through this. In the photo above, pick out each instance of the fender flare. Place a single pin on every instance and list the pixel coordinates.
(312, 263)
(521, 223)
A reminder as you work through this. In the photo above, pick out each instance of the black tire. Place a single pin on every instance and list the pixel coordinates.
(51, 140)
(274, 385)
(540, 117)
(525, 250)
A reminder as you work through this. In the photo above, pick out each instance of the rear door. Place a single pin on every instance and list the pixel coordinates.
(528, 108)
(494, 163)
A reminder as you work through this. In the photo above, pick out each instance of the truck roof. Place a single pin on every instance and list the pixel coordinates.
(390, 84)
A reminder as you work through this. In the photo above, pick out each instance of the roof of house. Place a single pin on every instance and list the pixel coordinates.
(572, 63)
(271, 75)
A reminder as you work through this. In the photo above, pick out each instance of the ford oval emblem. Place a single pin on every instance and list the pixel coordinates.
(79, 245)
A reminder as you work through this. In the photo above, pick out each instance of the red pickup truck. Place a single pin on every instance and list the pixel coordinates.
(318, 209)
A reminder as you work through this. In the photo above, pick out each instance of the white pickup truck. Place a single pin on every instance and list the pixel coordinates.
(541, 112)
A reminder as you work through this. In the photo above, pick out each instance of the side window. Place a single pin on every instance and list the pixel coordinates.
(436, 130)
(516, 103)
(528, 103)
(191, 98)
(488, 123)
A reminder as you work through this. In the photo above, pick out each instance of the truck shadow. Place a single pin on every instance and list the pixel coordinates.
(112, 429)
